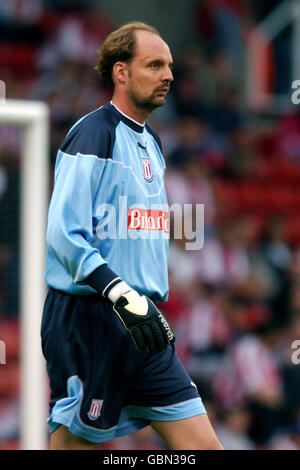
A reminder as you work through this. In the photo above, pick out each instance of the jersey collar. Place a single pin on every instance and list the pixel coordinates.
(136, 126)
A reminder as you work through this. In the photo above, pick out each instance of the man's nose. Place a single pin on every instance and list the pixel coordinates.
(167, 75)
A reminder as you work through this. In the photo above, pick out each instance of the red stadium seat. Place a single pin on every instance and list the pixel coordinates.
(278, 198)
(293, 229)
(10, 444)
(250, 196)
(17, 57)
(227, 198)
(296, 198)
(10, 378)
(9, 329)
(264, 170)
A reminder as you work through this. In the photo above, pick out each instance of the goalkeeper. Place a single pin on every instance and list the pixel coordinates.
(109, 351)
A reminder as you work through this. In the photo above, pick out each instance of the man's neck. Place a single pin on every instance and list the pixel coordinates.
(130, 111)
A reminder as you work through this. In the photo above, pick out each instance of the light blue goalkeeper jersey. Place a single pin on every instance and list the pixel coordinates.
(109, 206)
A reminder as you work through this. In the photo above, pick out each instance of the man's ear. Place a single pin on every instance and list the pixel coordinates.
(120, 72)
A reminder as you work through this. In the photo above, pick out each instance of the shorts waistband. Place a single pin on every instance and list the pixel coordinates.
(155, 297)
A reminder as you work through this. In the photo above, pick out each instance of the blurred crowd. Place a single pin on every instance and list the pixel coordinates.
(234, 304)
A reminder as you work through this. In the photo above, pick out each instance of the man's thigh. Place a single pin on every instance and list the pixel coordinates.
(162, 381)
(62, 439)
(195, 433)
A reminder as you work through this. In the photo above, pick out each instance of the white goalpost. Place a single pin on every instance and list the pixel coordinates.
(33, 117)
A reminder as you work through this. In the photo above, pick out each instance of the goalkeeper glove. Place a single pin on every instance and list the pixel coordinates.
(148, 327)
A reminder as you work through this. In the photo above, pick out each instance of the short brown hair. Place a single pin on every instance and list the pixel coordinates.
(119, 46)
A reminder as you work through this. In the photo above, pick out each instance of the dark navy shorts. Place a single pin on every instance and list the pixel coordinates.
(101, 385)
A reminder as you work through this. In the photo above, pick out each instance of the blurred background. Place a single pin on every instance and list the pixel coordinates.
(231, 138)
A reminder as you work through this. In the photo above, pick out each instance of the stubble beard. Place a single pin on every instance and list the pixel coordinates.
(148, 104)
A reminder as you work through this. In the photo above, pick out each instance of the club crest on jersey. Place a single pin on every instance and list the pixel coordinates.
(147, 172)
(149, 177)
(95, 409)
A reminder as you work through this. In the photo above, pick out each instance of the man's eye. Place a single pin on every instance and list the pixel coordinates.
(155, 65)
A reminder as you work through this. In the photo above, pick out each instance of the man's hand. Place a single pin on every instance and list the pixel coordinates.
(148, 327)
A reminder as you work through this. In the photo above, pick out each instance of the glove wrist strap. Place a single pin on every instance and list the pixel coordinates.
(117, 290)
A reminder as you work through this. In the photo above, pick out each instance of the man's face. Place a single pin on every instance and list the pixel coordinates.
(149, 72)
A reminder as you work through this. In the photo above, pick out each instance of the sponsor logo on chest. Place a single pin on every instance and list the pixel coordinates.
(144, 219)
